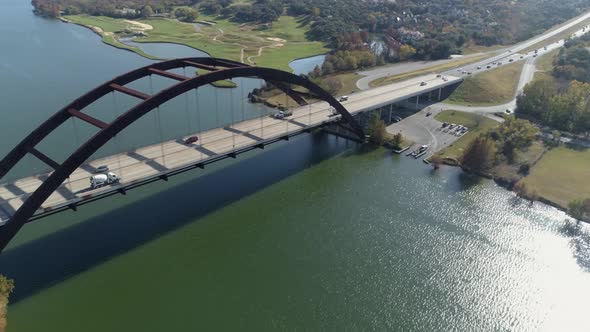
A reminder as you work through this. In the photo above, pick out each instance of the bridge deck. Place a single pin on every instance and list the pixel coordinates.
(154, 160)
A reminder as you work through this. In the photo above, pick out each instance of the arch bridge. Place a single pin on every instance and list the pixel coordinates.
(66, 185)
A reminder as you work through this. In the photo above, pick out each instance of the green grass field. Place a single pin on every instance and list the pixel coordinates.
(252, 44)
(493, 87)
(545, 65)
(561, 176)
(476, 123)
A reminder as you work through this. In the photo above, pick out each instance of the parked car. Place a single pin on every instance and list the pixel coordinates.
(397, 119)
(191, 140)
(429, 114)
(445, 124)
(508, 111)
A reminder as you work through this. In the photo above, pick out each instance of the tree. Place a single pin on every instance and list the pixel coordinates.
(147, 11)
(396, 140)
(435, 160)
(6, 287)
(535, 98)
(376, 129)
(479, 155)
(327, 68)
(514, 134)
(406, 52)
(576, 209)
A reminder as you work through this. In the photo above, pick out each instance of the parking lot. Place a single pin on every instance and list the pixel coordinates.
(422, 129)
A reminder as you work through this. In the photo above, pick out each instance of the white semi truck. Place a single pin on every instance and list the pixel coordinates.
(100, 180)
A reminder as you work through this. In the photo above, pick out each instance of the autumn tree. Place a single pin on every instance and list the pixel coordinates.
(512, 135)
(396, 140)
(376, 129)
(406, 52)
(6, 287)
(479, 155)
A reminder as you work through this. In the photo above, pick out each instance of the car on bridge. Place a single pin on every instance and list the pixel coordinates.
(423, 83)
(283, 114)
(343, 98)
(101, 169)
(191, 140)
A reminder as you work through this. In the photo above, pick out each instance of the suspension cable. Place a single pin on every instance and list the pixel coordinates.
(158, 125)
(117, 142)
(231, 107)
(188, 115)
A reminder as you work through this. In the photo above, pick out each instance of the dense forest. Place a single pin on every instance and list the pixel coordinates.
(429, 29)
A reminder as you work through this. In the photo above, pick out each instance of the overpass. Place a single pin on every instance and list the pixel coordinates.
(66, 186)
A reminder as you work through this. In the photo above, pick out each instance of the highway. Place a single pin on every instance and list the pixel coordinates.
(155, 160)
(504, 56)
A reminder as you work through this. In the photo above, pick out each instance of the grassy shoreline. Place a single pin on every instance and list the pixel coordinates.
(275, 47)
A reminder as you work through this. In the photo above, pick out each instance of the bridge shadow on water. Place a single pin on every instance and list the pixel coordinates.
(49, 260)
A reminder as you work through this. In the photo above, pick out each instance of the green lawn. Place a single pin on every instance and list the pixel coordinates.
(545, 65)
(561, 176)
(493, 87)
(253, 44)
(105, 23)
(476, 123)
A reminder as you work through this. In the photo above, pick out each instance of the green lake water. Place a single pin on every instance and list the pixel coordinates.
(314, 234)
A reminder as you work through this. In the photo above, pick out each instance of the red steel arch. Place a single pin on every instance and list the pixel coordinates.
(219, 69)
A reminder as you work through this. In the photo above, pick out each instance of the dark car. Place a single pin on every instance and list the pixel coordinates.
(191, 140)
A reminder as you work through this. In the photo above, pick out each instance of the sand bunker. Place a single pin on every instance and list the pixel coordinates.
(139, 26)
(279, 40)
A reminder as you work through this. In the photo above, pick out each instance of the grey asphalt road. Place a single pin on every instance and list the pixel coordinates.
(424, 130)
(396, 69)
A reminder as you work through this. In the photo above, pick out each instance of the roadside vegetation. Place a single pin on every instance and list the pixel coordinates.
(544, 66)
(6, 287)
(493, 87)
